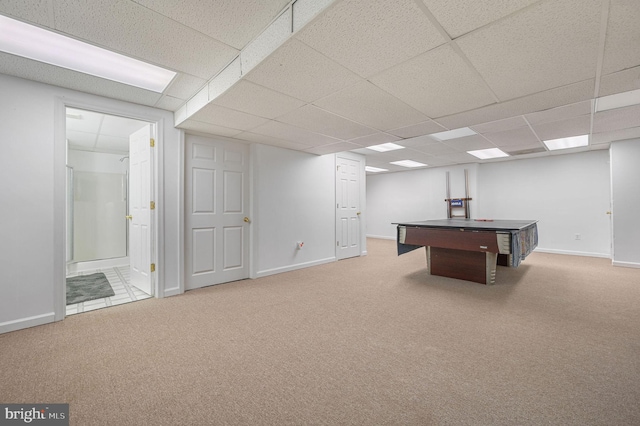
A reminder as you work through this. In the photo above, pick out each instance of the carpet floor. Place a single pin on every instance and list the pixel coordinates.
(372, 340)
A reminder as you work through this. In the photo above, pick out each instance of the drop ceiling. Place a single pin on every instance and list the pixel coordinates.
(347, 74)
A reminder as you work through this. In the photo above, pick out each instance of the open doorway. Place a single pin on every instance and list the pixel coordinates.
(104, 187)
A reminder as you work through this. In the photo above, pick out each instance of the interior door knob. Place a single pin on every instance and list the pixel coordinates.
(246, 219)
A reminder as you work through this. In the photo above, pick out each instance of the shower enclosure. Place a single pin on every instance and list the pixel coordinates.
(97, 205)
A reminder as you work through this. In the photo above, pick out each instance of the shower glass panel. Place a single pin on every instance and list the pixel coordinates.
(99, 210)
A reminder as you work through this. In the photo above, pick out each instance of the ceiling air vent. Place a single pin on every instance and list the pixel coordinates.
(527, 151)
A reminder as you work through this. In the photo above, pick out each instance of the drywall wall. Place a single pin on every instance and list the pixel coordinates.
(567, 194)
(32, 187)
(414, 196)
(625, 188)
(293, 200)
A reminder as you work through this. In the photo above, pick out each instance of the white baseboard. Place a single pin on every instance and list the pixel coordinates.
(21, 323)
(273, 271)
(97, 264)
(573, 253)
(381, 237)
(174, 291)
(626, 264)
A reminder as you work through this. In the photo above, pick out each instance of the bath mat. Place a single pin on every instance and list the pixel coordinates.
(88, 287)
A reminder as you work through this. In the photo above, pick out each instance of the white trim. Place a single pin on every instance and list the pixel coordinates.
(572, 253)
(381, 237)
(290, 268)
(21, 323)
(625, 264)
(104, 106)
(97, 264)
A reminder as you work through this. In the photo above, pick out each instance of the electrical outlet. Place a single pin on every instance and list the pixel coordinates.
(578, 236)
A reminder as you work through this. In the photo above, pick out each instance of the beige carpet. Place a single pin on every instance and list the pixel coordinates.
(364, 341)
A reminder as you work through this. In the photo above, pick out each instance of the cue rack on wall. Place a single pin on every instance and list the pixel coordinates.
(459, 207)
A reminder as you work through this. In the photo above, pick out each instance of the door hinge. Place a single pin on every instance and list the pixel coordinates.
(153, 267)
(152, 205)
(153, 142)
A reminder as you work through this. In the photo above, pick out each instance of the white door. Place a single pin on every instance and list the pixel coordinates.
(140, 213)
(216, 217)
(348, 207)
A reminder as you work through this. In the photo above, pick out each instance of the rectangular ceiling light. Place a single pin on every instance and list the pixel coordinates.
(453, 134)
(565, 143)
(619, 100)
(408, 163)
(28, 41)
(486, 154)
(385, 147)
(374, 169)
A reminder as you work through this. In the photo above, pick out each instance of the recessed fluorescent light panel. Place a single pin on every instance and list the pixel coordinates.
(385, 147)
(565, 143)
(619, 100)
(18, 38)
(408, 163)
(486, 154)
(453, 134)
(374, 169)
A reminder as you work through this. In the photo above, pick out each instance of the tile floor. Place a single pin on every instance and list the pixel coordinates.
(124, 293)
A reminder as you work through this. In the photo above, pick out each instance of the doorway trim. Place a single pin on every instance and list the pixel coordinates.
(110, 107)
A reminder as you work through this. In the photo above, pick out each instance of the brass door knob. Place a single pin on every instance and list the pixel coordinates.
(246, 219)
(129, 217)
(358, 213)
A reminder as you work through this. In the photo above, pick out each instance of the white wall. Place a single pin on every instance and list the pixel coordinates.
(625, 185)
(32, 197)
(567, 194)
(414, 196)
(293, 200)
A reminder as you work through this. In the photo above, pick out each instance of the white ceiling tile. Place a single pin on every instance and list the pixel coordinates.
(291, 133)
(141, 33)
(623, 36)
(344, 34)
(424, 128)
(615, 135)
(565, 95)
(220, 19)
(367, 104)
(500, 125)
(523, 149)
(317, 120)
(519, 136)
(419, 141)
(559, 113)
(460, 17)
(299, 71)
(470, 143)
(45, 73)
(437, 83)
(618, 82)
(221, 116)
(375, 139)
(83, 140)
(207, 128)
(551, 44)
(564, 128)
(184, 86)
(119, 126)
(257, 100)
(459, 158)
(107, 143)
(169, 103)
(268, 140)
(437, 149)
(331, 148)
(35, 11)
(222, 82)
(616, 119)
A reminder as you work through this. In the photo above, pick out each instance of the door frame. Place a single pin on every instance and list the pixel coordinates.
(110, 107)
